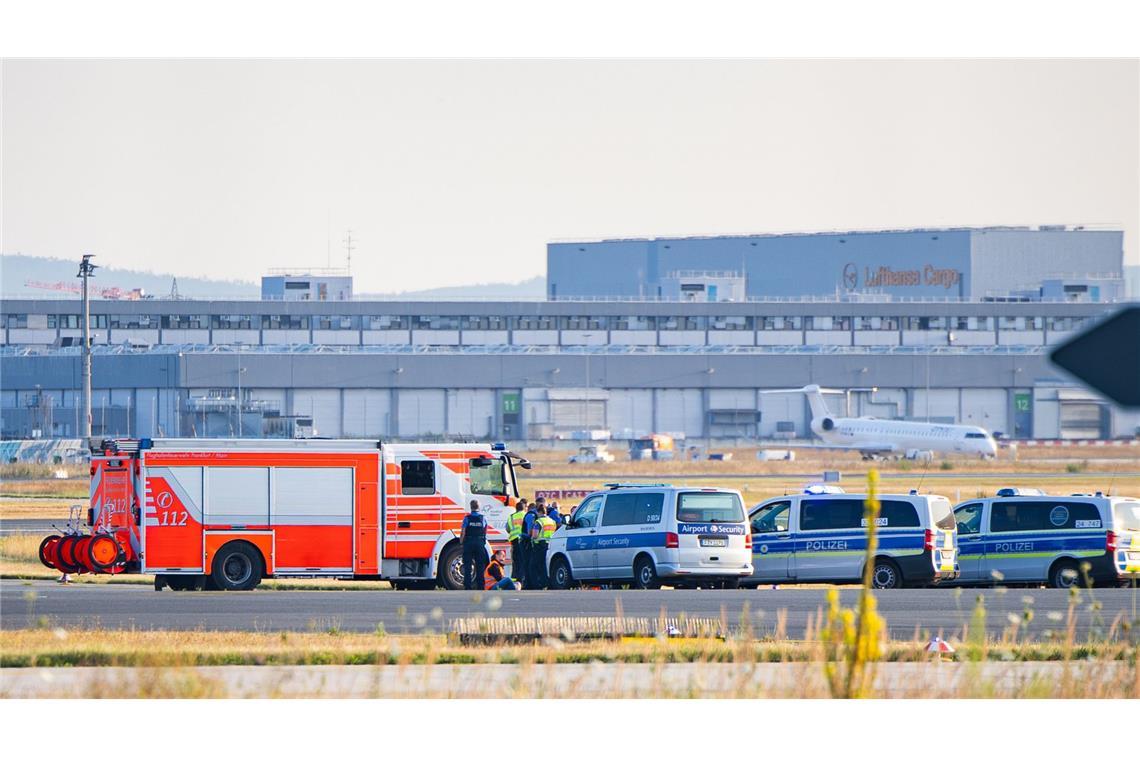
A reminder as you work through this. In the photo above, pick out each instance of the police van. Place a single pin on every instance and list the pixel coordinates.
(646, 534)
(1047, 539)
(820, 536)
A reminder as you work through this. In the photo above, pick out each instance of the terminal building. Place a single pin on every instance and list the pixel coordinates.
(690, 362)
(539, 371)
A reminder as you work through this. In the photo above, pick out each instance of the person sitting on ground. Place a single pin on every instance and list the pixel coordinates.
(496, 579)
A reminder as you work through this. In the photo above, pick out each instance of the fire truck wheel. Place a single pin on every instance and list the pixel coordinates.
(237, 567)
(451, 567)
(48, 548)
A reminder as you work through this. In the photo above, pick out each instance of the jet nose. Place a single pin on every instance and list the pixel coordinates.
(991, 446)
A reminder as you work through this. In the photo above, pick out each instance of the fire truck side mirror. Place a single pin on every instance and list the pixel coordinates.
(482, 462)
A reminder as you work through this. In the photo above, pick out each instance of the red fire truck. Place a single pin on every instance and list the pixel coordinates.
(223, 514)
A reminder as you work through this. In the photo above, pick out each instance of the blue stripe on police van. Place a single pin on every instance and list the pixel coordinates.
(829, 542)
(1019, 543)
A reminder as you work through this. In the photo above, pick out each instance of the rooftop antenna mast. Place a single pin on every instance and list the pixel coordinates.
(348, 246)
(86, 271)
(174, 289)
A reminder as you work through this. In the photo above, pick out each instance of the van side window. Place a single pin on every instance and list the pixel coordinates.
(772, 518)
(417, 477)
(898, 514)
(831, 514)
(1043, 515)
(587, 514)
(1082, 515)
(968, 518)
(633, 509)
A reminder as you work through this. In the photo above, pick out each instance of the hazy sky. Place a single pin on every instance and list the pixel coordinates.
(456, 172)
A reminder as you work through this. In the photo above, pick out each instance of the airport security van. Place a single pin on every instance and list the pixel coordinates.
(1047, 539)
(646, 534)
(820, 536)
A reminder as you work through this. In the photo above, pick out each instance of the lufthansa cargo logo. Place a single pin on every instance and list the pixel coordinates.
(885, 277)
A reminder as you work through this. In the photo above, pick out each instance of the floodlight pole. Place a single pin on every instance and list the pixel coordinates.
(86, 271)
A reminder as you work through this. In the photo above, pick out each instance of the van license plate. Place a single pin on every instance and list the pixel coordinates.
(706, 541)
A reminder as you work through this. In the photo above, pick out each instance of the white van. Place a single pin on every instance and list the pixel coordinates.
(1047, 539)
(818, 537)
(644, 534)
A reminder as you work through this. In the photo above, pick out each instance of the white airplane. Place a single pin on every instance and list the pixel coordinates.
(872, 437)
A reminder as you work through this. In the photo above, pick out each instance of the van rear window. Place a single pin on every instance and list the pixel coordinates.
(1127, 515)
(709, 507)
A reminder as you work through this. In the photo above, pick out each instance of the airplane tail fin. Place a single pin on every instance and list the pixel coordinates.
(815, 400)
(814, 395)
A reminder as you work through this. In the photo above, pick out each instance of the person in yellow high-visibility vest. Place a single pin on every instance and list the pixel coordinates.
(515, 534)
(540, 533)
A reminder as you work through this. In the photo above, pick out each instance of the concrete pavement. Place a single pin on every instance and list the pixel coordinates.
(908, 612)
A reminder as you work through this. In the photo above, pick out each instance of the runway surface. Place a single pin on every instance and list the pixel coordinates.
(36, 526)
(926, 611)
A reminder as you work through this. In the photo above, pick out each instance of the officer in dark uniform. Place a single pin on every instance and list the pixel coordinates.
(473, 537)
(537, 507)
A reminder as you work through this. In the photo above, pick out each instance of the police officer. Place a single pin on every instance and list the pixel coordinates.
(473, 537)
(553, 514)
(528, 545)
(540, 534)
(515, 534)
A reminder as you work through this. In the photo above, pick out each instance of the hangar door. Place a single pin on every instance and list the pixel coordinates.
(421, 413)
(470, 412)
(1082, 417)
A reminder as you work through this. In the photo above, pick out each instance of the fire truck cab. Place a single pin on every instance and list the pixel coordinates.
(223, 514)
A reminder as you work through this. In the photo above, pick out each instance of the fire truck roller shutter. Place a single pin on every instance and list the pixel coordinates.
(311, 516)
(237, 496)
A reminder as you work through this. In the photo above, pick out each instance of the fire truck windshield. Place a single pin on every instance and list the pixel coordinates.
(488, 477)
